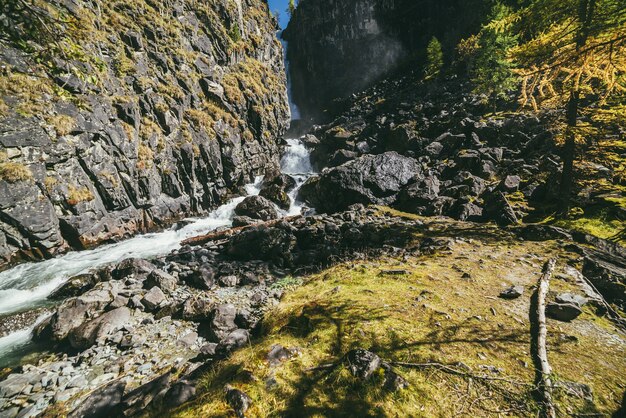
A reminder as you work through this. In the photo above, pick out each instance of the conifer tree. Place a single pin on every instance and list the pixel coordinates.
(574, 58)
(434, 58)
(492, 70)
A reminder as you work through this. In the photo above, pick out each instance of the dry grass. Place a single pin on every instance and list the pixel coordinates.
(13, 172)
(76, 195)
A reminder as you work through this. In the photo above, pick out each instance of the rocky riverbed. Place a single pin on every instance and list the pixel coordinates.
(129, 323)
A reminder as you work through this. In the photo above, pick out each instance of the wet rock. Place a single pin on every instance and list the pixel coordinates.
(362, 363)
(257, 207)
(276, 194)
(75, 286)
(512, 292)
(98, 329)
(239, 401)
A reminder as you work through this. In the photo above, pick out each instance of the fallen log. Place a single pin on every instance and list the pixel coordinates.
(213, 236)
(539, 351)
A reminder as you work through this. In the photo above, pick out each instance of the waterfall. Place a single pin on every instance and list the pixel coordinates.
(295, 112)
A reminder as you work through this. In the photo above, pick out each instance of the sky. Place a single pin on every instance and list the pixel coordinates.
(281, 7)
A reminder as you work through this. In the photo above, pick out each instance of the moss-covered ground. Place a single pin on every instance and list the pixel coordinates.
(441, 307)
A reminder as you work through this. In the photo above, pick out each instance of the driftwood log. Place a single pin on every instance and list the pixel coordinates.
(540, 352)
(220, 235)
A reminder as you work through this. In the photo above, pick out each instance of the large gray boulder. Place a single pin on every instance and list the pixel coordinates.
(370, 179)
(96, 330)
(257, 207)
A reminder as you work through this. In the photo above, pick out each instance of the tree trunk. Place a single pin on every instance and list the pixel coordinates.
(569, 154)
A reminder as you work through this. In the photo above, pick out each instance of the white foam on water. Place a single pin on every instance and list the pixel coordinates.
(296, 162)
(28, 285)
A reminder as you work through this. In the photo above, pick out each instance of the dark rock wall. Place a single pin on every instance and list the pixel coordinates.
(120, 116)
(338, 47)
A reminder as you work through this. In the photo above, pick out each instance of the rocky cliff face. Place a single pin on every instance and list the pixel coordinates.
(337, 48)
(119, 116)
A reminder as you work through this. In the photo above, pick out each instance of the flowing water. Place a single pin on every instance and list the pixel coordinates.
(27, 286)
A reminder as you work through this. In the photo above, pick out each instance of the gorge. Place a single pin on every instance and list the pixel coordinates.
(202, 214)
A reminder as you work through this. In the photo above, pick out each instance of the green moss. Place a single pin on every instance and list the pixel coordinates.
(433, 313)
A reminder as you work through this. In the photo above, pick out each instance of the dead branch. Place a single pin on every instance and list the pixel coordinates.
(543, 378)
(214, 236)
(452, 370)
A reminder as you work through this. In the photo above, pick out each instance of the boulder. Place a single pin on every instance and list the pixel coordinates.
(276, 194)
(261, 243)
(222, 322)
(362, 363)
(102, 403)
(563, 311)
(257, 207)
(238, 400)
(497, 208)
(161, 279)
(154, 299)
(98, 329)
(74, 312)
(369, 179)
(75, 286)
(181, 392)
(138, 399)
(512, 292)
(202, 278)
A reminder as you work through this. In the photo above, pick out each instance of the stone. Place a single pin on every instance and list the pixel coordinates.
(222, 322)
(161, 279)
(202, 278)
(369, 179)
(563, 311)
(362, 363)
(239, 401)
(74, 286)
(278, 354)
(512, 292)
(189, 339)
(236, 339)
(101, 403)
(154, 299)
(98, 329)
(256, 207)
(196, 309)
(180, 392)
(228, 281)
(138, 399)
(510, 184)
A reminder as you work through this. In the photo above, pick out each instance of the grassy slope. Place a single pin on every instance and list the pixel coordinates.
(431, 313)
